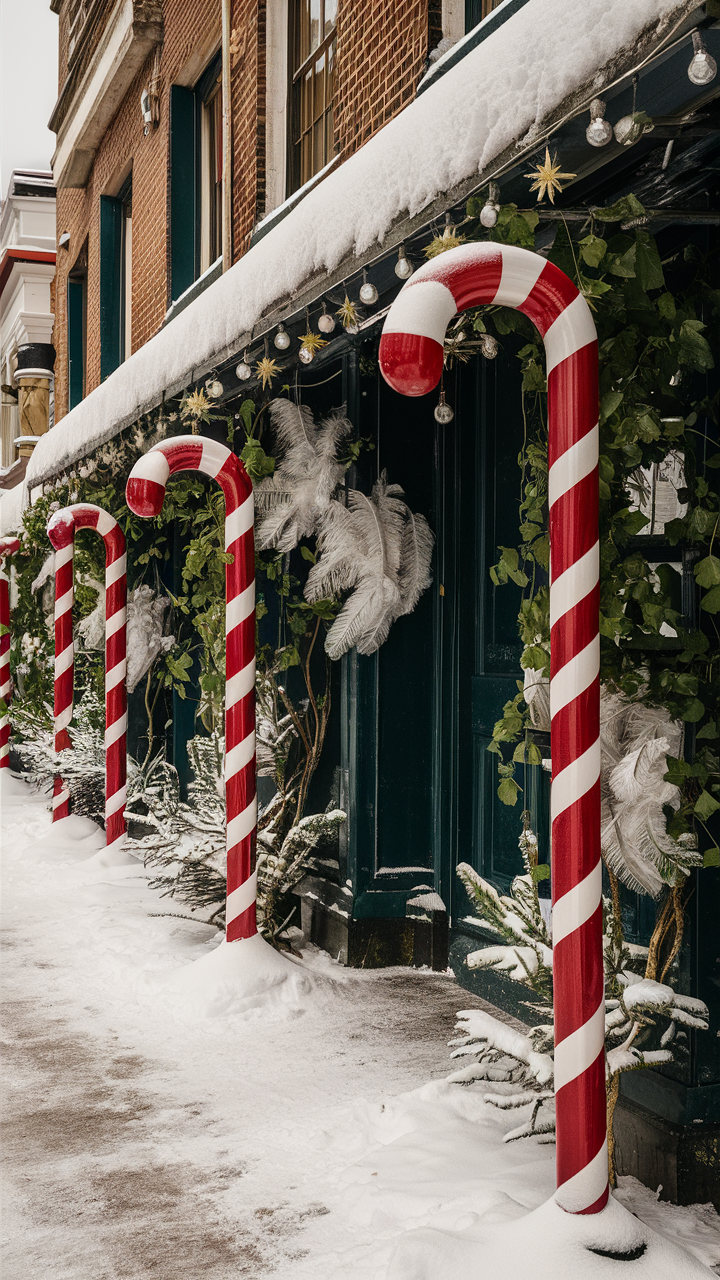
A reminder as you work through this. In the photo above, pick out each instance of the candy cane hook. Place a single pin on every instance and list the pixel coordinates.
(144, 495)
(61, 530)
(411, 360)
(8, 547)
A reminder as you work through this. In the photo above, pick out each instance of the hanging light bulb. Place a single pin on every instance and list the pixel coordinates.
(214, 388)
(282, 338)
(703, 68)
(243, 370)
(489, 346)
(631, 128)
(599, 131)
(306, 354)
(326, 322)
(443, 412)
(403, 268)
(368, 292)
(491, 208)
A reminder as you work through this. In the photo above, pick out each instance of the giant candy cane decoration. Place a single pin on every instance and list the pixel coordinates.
(411, 360)
(145, 495)
(8, 547)
(62, 527)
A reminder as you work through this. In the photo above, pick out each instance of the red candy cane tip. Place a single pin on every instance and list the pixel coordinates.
(145, 497)
(411, 361)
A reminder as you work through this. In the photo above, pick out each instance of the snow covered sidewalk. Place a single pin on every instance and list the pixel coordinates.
(306, 1131)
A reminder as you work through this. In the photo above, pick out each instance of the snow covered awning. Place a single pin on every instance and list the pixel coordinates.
(503, 98)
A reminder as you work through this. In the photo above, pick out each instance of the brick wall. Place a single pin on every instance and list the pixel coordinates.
(381, 53)
(187, 28)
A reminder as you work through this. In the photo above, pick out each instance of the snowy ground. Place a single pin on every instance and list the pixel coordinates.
(154, 1127)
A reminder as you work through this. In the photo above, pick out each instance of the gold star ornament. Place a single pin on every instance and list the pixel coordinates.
(548, 178)
(266, 369)
(312, 341)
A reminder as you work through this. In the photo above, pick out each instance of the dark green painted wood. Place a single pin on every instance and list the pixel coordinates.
(184, 204)
(111, 285)
(76, 340)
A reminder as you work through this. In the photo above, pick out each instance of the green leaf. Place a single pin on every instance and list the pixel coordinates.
(711, 857)
(592, 250)
(623, 209)
(609, 403)
(540, 872)
(693, 711)
(709, 731)
(648, 267)
(508, 791)
(707, 572)
(307, 554)
(705, 806)
(711, 601)
(693, 348)
(666, 306)
(633, 522)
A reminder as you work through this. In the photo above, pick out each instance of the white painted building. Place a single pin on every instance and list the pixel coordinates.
(27, 270)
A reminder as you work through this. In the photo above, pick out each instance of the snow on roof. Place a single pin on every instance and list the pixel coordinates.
(494, 96)
(12, 502)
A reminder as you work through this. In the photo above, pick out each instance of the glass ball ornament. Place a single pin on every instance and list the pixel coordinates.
(214, 388)
(306, 355)
(629, 130)
(403, 268)
(326, 322)
(443, 412)
(489, 346)
(703, 68)
(243, 370)
(599, 131)
(489, 214)
(368, 292)
(282, 338)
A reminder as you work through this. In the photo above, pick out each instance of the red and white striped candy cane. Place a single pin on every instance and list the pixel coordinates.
(411, 359)
(61, 529)
(145, 494)
(8, 547)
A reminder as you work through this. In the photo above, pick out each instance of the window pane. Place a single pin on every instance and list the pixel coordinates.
(319, 88)
(330, 15)
(314, 25)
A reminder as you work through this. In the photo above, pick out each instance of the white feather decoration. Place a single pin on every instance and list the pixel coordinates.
(293, 500)
(377, 549)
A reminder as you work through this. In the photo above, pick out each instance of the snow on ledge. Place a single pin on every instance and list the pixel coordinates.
(509, 84)
(12, 503)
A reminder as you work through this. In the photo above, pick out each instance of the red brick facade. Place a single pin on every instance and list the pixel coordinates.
(381, 51)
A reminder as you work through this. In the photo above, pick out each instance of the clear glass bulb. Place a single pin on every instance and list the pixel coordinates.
(282, 339)
(403, 268)
(326, 323)
(703, 68)
(306, 355)
(243, 371)
(599, 131)
(368, 293)
(443, 412)
(628, 131)
(214, 388)
(489, 214)
(489, 346)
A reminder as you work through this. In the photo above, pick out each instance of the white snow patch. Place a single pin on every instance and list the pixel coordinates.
(507, 87)
(238, 976)
(12, 503)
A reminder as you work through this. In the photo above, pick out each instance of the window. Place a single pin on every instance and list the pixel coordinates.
(115, 279)
(196, 174)
(312, 88)
(210, 111)
(476, 10)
